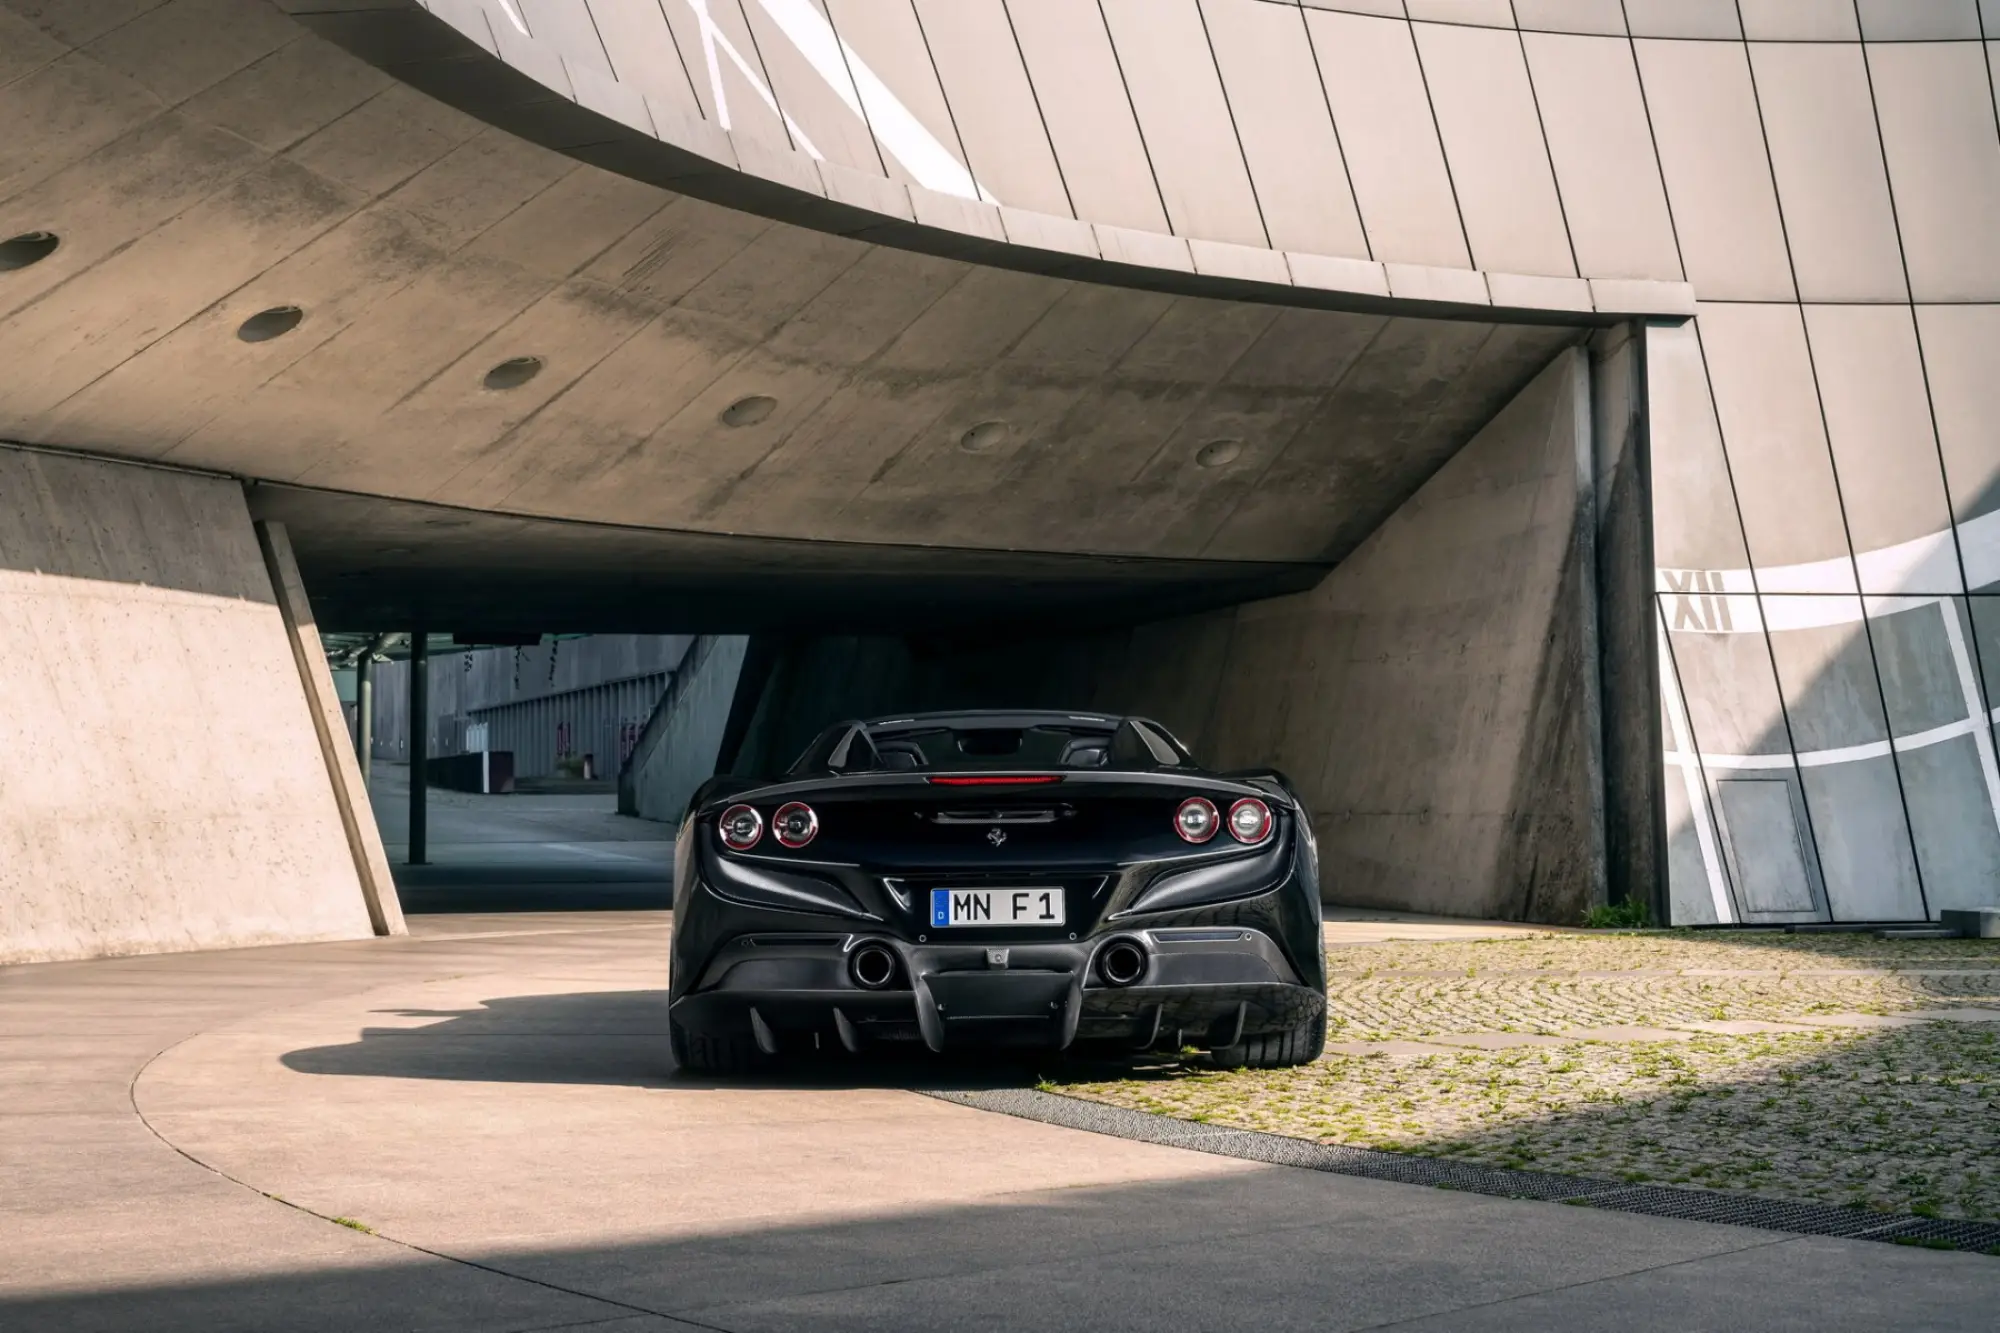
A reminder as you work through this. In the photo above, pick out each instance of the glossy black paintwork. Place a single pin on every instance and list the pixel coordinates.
(1106, 836)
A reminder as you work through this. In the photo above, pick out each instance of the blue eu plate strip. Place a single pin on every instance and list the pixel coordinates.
(940, 907)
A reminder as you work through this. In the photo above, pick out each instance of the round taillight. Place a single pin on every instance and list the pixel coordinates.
(741, 826)
(1250, 820)
(1196, 820)
(795, 824)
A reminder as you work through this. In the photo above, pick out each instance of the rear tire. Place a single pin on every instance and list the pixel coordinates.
(698, 1052)
(1299, 1045)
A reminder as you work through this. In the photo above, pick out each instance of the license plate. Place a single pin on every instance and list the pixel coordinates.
(997, 907)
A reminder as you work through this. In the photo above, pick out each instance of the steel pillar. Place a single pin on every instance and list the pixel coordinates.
(420, 739)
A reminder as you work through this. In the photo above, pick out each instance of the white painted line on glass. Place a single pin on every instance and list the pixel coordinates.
(1841, 754)
(1923, 569)
(1968, 686)
(1697, 790)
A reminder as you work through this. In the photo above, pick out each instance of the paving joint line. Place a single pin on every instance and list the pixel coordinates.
(132, 1098)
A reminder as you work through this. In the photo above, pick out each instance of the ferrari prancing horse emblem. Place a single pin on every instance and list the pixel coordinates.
(996, 836)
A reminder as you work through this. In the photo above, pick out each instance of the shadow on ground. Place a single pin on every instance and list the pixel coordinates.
(1261, 1248)
(534, 886)
(619, 1038)
(1902, 1120)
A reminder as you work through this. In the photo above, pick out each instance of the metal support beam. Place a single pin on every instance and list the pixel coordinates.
(364, 713)
(420, 737)
(364, 703)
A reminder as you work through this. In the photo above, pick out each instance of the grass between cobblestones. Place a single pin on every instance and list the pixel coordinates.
(1904, 1118)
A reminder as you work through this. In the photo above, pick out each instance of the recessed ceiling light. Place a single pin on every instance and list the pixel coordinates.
(513, 372)
(985, 436)
(1218, 452)
(268, 324)
(30, 247)
(749, 411)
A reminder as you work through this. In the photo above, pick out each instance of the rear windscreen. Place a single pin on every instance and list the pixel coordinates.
(952, 749)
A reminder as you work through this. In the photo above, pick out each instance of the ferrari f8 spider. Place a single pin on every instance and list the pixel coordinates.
(997, 878)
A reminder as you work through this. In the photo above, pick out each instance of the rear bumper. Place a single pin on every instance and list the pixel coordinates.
(1206, 987)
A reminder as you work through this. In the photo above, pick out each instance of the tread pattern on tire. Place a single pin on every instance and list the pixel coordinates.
(1299, 1045)
(700, 1052)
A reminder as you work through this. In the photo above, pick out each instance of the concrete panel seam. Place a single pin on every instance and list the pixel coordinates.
(1330, 273)
(1046, 231)
(1642, 296)
(1541, 293)
(1592, 649)
(1145, 249)
(1424, 282)
(780, 165)
(864, 190)
(1224, 259)
(950, 212)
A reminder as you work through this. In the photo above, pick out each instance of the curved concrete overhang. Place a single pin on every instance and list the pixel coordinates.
(1123, 423)
(658, 111)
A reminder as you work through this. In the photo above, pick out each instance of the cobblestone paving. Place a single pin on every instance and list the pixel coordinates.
(1845, 1099)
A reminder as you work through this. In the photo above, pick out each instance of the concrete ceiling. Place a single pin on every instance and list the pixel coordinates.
(202, 162)
(375, 563)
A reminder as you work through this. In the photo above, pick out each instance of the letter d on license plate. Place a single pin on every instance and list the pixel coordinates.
(997, 907)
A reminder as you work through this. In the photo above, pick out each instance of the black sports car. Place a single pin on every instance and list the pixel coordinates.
(997, 878)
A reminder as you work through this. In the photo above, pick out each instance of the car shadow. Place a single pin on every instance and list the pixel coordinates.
(619, 1038)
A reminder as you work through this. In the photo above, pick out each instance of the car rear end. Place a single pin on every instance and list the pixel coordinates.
(1027, 907)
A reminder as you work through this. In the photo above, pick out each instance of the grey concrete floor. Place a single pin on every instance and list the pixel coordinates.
(536, 851)
(493, 1101)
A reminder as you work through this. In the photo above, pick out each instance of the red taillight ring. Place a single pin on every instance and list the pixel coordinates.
(1196, 819)
(1259, 831)
(795, 824)
(740, 827)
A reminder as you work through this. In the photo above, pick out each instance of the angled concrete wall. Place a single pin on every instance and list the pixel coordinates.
(1434, 699)
(162, 785)
(682, 744)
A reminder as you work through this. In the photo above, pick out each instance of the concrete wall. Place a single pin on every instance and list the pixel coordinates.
(681, 746)
(1627, 626)
(161, 783)
(1435, 699)
(547, 703)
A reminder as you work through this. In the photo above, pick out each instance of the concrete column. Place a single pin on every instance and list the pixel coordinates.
(420, 739)
(371, 864)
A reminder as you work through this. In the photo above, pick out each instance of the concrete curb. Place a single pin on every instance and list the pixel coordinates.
(1803, 1219)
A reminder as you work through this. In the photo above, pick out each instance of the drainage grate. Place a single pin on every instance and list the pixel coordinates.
(1741, 1210)
(1805, 1219)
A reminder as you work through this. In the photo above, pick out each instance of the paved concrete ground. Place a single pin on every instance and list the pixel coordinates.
(1368, 925)
(529, 851)
(491, 1099)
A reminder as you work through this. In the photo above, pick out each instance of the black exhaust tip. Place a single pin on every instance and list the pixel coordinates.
(1121, 962)
(872, 965)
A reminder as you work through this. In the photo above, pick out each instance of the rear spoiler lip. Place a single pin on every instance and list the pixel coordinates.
(993, 779)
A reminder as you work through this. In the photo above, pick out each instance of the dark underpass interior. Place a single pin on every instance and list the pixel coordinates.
(1457, 682)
